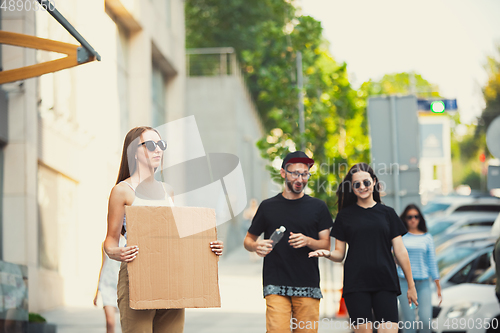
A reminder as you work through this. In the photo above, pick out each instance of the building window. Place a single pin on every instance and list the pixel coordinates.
(158, 97)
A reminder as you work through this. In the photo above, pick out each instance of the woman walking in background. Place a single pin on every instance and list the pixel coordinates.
(371, 229)
(420, 247)
(142, 154)
(106, 287)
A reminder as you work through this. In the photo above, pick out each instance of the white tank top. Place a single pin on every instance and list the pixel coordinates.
(166, 202)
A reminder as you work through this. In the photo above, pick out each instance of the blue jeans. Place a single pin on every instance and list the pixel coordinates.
(408, 316)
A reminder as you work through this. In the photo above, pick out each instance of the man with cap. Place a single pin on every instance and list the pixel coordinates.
(290, 278)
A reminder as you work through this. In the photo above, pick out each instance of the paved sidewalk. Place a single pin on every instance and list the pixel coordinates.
(242, 311)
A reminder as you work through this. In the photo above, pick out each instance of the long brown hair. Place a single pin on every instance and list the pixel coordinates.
(422, 226)
(128, 152)
(345, 193)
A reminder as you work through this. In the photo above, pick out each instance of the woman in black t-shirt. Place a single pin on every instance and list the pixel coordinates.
(371, 229)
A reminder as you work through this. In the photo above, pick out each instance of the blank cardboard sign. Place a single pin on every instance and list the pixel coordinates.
(169, 271)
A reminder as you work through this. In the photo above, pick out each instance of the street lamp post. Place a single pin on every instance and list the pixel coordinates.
(300, 86)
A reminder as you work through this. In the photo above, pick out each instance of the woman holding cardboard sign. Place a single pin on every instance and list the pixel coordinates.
(142, 155)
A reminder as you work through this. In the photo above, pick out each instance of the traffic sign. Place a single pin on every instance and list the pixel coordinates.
(394, 133)
(493, 137)
(437, 105)
(493, 177)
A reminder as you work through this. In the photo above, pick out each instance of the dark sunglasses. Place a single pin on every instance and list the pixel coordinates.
(151, 145)
(366, 182)
(409, 217)
(296, 175)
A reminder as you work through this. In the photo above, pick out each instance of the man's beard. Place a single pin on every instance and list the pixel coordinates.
(290, 186)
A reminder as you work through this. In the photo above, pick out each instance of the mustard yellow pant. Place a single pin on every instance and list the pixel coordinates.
(286, 314)
(145, 321)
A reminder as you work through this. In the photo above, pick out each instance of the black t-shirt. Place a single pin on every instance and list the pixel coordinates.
(369, 265)
(285, 266)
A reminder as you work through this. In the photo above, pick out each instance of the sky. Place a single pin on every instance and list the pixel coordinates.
(445, 41)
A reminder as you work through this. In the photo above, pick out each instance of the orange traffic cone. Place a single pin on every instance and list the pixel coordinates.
(342, 308)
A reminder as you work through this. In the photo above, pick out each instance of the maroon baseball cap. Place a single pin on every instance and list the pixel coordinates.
(297, 157)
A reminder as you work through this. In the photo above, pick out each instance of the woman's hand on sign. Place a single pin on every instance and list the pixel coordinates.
(217, 247)
(126, 254)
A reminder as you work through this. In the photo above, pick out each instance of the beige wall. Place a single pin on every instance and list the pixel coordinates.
(66, 130)
(19, 202)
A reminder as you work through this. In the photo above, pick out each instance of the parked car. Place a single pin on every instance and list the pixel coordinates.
(463, 263)
(476, 238)
(443, 206)
(469, 307)
(495, 229)
(456, 224)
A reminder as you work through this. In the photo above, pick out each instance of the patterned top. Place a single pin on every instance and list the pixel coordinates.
(422, 256)
(312, 292)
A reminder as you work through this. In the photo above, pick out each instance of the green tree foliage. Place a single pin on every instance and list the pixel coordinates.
(467, 148)
(401, 83)
(267, 35)
(236, 23)
(335, 127)
(473, 143)
(491, 93)
(464, 153)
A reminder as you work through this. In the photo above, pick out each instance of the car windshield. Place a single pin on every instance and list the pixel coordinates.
(439, 227)
(488, 277)
(449, 258)
(433, 207)
(479, 208)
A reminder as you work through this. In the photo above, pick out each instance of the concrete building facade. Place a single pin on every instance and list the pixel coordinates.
(60, 158)
(61, 134)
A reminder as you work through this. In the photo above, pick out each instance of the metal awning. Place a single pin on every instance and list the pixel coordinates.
(75, 54)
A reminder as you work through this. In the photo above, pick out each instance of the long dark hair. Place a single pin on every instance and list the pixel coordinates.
(422, 226)
(128, 155)
(345, 193)
(129, 150)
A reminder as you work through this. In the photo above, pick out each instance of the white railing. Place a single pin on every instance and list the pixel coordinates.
(218, 61)
(213, 61)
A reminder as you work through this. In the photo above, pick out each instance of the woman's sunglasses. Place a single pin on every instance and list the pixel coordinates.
(151, 145)
(409, 217)
(366, 182)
